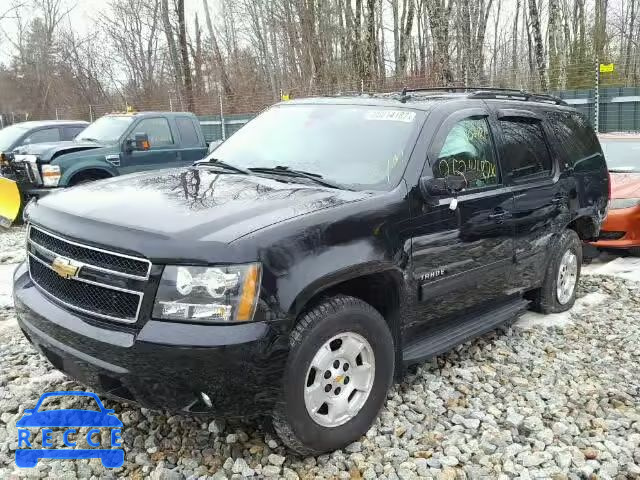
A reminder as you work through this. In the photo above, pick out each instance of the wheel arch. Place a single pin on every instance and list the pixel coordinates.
(382, 287)
(93, 172)
(585, 226)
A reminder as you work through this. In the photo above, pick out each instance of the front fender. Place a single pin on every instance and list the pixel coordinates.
(316, 273)
(71, 167)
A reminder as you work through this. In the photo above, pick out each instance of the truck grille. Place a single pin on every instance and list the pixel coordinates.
(22, 172)
(93, 281)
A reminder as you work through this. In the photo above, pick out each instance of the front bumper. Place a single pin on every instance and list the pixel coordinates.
(163, 366)
(626, 221)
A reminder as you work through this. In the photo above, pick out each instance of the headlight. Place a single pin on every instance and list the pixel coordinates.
(620, 203)
(208, 294)
(50, 175)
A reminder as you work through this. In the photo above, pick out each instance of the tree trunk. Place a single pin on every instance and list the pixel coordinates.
(184, 52)
(223, 77)
(539, 47)
(554, 51)
(632, 21)
(173, 51)
(408, 13)
(600, 29)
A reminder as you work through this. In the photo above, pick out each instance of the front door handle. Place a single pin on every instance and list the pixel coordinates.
(499, 215)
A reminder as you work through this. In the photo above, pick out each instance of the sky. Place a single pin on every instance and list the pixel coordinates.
(84, 11)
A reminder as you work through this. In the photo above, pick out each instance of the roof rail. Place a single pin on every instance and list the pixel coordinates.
(488, 92)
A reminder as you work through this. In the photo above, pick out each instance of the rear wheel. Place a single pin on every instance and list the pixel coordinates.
(558, 291)
(339, 370)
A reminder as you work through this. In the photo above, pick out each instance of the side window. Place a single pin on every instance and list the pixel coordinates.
(69, 133)
(525, 148)
(157, 129)
(468, 152)
(42, 136)
(574, 136)
(188, 132)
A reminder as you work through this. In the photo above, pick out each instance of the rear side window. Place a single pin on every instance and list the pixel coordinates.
(525, 152)
(574, 136)
(69, 133)
(188, 132)
(42, 136)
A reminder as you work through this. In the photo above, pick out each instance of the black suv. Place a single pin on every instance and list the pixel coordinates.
(330, 243)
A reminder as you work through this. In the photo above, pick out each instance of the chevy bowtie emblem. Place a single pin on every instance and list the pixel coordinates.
(65, 267)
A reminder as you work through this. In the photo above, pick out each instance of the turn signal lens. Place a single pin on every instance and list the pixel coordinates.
(247, 304)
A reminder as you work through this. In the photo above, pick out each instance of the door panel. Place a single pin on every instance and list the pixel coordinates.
(541, 196)
(466, 256)
(163, 152)
(463, 246)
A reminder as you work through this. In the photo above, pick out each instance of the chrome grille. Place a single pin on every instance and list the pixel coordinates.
(116, 263)
(101, 283)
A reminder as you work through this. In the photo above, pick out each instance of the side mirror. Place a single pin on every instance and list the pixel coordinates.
(442, 187)
(140, 142)
(433, 187)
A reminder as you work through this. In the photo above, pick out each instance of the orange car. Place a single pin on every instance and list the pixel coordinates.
(621, 228)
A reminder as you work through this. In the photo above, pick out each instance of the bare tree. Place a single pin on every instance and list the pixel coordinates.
(184, 54)
(539, 47)
(217, 55)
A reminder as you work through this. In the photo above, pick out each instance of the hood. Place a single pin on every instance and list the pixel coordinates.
(625, 185)
(185, 206)
(46, 151)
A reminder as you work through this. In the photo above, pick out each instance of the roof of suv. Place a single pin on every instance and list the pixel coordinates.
(427, 98)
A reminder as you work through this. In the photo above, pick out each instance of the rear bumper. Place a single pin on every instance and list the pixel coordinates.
(625, 221)
(163, 366)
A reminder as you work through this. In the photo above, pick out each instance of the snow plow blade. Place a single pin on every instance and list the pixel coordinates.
(10, 201)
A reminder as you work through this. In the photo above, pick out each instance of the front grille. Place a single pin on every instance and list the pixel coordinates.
(21, 172)
(90, 298)
(100, 283)
(95, 257)
(611, 235)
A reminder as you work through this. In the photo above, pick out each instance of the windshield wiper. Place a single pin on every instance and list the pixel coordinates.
(286, 171)
(219, 163)
(88, 139)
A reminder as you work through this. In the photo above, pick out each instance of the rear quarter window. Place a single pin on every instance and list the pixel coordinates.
(575, 140)
(188, 132)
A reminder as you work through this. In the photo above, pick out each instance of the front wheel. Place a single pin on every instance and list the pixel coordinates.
(558, 291)
(339, 370)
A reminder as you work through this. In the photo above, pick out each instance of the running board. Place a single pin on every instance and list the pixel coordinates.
(445, 337)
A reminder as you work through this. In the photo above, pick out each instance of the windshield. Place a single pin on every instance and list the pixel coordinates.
(363, 147)
(622, 154)
(9, 135)
(107, 129)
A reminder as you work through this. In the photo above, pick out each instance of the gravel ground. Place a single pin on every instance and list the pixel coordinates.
(551, 397)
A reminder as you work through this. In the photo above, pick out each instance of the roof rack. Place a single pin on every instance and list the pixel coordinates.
(488, 92)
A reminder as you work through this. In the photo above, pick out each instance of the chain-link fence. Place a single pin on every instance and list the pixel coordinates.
(608, 93)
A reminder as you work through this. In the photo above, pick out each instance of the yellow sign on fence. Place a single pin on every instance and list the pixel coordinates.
(606, 67)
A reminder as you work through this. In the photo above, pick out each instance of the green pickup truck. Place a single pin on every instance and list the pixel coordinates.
(113, 145)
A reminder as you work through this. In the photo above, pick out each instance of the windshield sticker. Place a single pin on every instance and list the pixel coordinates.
(391, 115)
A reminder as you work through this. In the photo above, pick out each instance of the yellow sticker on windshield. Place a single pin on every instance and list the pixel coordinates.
(391, 115)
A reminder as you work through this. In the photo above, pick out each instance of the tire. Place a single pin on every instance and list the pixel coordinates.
(546, 298)
(339, 318)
